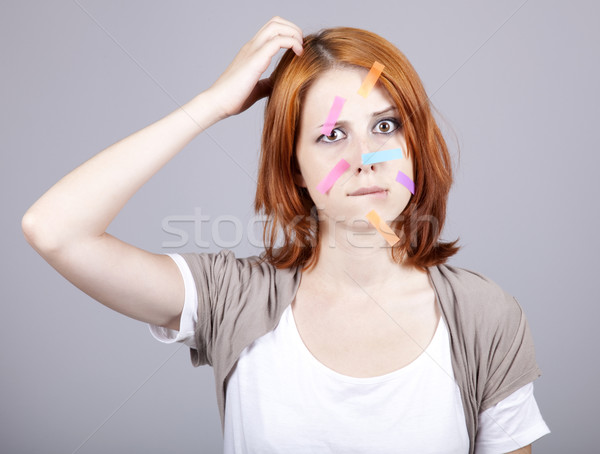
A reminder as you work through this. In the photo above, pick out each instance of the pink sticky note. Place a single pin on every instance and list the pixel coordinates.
(327, 182)
(333, 116)
(403, 179)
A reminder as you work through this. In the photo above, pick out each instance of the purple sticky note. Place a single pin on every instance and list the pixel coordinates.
(405, 181)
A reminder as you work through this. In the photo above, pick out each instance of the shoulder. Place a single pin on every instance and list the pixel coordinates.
(225, 268)
(470, 292)
(495, 353)
(221, 264)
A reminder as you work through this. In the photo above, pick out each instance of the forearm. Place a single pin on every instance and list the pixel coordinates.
(85, 201)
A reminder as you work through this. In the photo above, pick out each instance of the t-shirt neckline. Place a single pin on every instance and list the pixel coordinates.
(393, 375)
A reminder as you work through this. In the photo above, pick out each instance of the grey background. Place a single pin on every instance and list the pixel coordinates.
(516, 86)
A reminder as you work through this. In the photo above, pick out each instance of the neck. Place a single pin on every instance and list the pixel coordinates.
(356, 262)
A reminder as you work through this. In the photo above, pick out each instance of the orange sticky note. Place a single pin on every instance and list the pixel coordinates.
(384, 229)
(371, 79)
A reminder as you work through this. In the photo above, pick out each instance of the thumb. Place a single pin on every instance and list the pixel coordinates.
(263, 88)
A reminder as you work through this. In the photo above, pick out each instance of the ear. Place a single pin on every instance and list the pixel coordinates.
(299, 180)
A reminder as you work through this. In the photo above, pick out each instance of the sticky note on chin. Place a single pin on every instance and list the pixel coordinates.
(385, 231)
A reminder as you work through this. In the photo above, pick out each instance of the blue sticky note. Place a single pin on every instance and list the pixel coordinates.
(380, 156)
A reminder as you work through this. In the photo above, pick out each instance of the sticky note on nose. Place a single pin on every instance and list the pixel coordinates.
(385, 231)
(381, 156)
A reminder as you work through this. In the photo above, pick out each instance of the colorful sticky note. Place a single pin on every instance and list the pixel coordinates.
(383, 155)
(327, 182)
(384, 229)
(334, 113)
(371, 79)
(404, 180)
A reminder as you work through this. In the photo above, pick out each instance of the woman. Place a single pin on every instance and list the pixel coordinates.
(353, 336)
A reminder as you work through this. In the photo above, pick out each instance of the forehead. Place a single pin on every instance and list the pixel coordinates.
(344, 83)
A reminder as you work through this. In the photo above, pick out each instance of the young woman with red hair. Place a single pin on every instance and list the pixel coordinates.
(338, 340)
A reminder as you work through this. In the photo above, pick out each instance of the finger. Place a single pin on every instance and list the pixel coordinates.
(274, 29)
(274, 34)
(259, 36)
(282, 42)
(281, 20)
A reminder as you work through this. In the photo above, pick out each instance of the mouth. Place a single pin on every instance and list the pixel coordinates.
(374, 191)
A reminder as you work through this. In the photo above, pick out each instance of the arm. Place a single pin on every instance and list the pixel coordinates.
(67, 225)
(523, 450)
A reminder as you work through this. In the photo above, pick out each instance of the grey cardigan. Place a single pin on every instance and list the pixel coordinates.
(240, 300)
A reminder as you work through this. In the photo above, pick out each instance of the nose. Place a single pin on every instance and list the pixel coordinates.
(365, 168)
(362, 148)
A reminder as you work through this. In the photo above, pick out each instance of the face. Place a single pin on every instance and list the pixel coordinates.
(365, 125)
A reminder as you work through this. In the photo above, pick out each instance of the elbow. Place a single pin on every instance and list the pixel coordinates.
(28, 226)
(33, 230)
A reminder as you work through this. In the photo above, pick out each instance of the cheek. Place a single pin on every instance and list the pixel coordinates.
(314, 170)
(306, 162)
(407, 167)
(403, 183)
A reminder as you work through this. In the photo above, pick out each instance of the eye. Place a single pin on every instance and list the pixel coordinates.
(335, 134)
(387, 125)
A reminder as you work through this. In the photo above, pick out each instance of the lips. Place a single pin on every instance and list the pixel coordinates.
(367, 190)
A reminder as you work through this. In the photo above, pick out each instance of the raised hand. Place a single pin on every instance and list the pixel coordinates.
(240, 85)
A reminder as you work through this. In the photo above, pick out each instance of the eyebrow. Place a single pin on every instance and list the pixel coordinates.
(374, 114)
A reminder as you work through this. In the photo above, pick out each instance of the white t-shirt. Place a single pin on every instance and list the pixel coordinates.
(280, 398)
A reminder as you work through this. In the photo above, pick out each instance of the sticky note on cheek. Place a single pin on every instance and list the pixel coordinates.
(385, 230)
(327, 182)
(371, 79)
(333, 116)
(403, 179)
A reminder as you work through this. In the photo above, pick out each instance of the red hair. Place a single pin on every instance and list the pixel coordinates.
(289, 207)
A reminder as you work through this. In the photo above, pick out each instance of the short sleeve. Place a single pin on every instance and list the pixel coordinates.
(511, 355)
(189, 315)
(493, 354)
(223, 285)
(510, 424)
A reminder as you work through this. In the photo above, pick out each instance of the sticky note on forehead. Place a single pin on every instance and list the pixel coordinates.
(333, 116)
(386, 232)
(371, 79)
